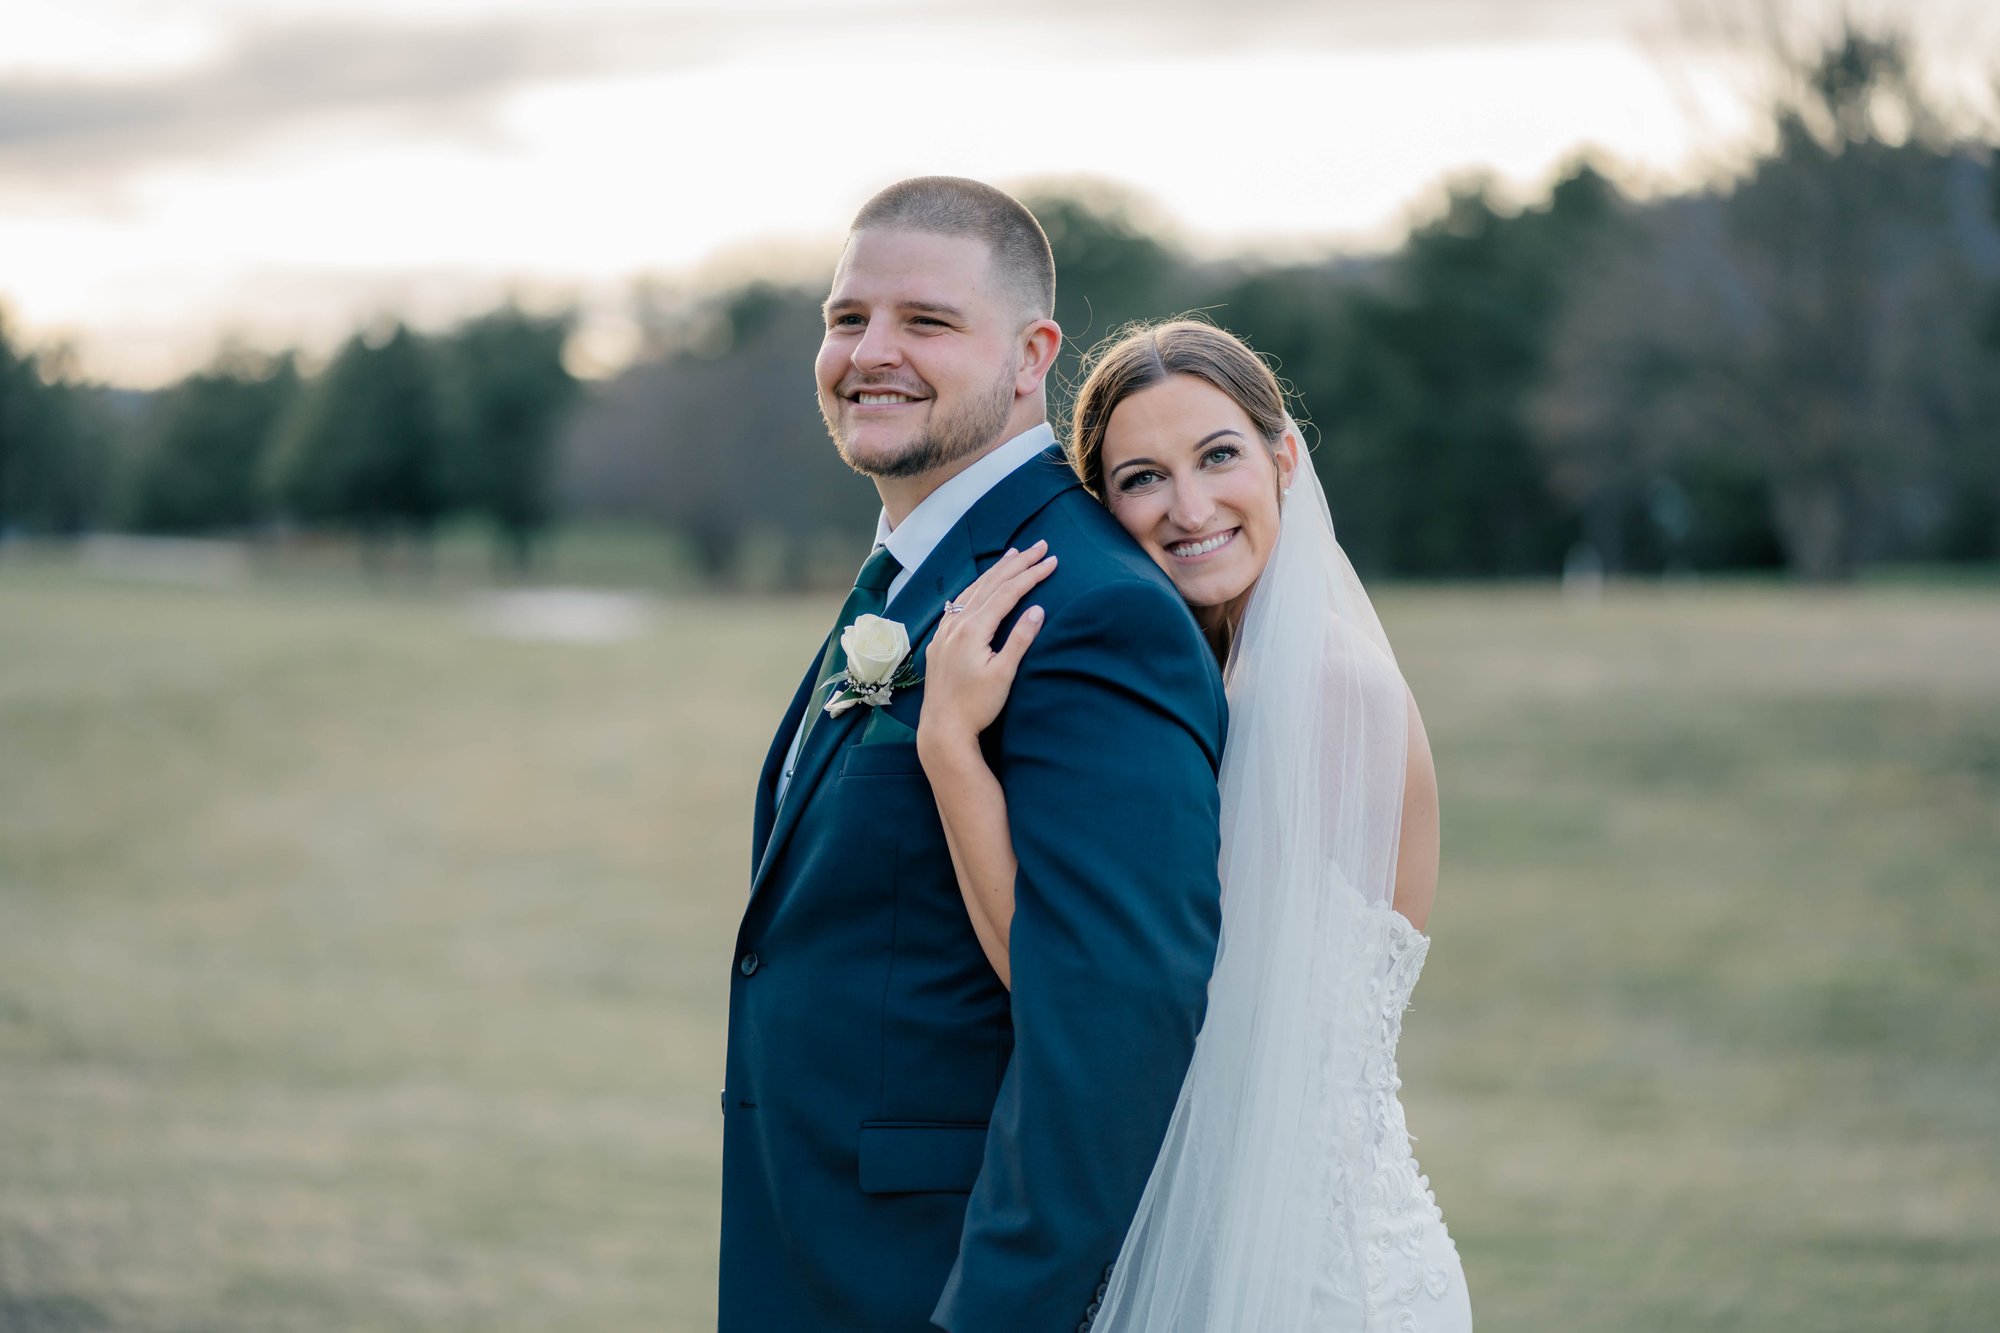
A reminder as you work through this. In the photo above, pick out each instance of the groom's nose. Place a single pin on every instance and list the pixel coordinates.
(876, 347)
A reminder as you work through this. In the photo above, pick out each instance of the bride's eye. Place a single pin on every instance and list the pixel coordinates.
(1131, 481)
(1222, 453)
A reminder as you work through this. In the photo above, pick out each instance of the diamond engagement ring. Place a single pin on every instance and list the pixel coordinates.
(952, 608)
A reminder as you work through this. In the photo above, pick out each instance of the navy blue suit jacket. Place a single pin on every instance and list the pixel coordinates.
(906, 1145)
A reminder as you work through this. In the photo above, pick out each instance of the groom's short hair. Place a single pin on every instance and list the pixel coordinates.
(956, 206)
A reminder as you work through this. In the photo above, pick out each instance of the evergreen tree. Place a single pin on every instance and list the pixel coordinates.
(1110, 270)
(15, 386)
(365, 446)
(209, 435)
(55, 456)
(506, 394)
(1431, 445)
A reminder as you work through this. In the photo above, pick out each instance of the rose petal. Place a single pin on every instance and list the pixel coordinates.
(875, 647)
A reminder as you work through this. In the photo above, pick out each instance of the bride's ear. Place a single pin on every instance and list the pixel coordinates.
(1287, 455)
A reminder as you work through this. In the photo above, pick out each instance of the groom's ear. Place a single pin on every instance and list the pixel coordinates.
(1039, 342)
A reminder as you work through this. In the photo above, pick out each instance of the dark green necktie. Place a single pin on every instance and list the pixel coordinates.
(870, 595)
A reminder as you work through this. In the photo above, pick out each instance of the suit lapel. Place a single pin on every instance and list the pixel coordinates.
(992, 523)
(970, 548)
(820, 747)
(942, 576)
(766, 807)
(955, 562)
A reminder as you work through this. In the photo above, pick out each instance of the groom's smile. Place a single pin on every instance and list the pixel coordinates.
(867, 406)
(870, 397)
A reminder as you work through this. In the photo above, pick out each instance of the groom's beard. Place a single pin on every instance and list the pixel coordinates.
(946, 439)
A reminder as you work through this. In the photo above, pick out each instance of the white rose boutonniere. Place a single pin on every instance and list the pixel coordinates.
(878, 653)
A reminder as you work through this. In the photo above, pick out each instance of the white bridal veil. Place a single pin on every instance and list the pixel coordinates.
(1249, 1222)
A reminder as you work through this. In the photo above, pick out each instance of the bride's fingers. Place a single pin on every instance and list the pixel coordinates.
(1004, 597)
(977, 594)
(1023, 634)
(1003, 568)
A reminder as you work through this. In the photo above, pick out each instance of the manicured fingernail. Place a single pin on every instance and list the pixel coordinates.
(1010, 551)
(1034, 613)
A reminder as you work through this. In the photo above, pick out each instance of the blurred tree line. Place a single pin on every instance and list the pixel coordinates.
(1799, 368)
(396, 432)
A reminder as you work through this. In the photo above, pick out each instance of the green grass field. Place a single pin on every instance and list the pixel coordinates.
(358, 972)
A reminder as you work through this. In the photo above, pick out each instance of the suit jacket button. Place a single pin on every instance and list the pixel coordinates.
(1102, 1287)
(748, 967)
(1090, 1312)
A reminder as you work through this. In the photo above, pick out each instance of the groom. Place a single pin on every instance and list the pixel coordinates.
(906, 1145)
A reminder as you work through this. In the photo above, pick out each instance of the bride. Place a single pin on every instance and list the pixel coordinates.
(1285, 1198)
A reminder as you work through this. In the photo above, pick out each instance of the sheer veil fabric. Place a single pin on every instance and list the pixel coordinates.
(1278, 1202)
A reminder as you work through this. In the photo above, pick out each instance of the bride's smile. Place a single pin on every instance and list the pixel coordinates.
(1201, 548)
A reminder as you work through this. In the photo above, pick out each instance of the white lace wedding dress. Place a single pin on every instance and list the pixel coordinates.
(1391, 1264)
(1285, 1198)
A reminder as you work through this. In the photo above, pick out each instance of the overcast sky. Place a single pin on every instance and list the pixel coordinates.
(172, 171)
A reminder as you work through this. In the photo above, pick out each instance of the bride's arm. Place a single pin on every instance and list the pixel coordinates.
(1366, 698)
(974, 814)
(1417, 846)
(965, 685)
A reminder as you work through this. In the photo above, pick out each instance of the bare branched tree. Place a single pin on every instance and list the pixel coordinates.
(1819, 325)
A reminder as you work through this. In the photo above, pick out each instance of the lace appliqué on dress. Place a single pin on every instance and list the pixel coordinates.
(1386, 1242)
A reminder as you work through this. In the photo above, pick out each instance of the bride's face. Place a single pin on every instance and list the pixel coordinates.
(1187, 474)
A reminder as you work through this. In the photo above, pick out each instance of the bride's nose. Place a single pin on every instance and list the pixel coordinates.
(1191, 508)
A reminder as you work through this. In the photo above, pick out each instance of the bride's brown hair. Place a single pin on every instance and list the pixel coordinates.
(1142, 355)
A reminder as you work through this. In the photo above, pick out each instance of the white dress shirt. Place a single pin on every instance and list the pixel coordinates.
(913, 540)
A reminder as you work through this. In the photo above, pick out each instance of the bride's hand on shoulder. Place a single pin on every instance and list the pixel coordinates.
(966, 681)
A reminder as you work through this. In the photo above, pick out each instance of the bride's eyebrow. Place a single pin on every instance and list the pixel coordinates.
(1196, 448)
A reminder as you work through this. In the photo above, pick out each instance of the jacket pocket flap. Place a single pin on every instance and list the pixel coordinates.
(881, 757)
(911, 1156)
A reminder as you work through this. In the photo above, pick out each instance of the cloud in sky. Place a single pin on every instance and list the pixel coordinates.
(272, 78)
(438, 70)
(170, 169)
(82, 116)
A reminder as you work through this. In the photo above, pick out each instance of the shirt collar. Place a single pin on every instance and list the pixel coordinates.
(912, 540)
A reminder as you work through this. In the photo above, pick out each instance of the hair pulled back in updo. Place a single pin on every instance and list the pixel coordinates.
(1142, 355)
